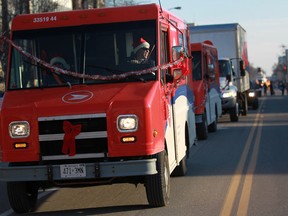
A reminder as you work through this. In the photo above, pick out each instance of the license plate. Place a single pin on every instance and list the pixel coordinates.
(72, 170)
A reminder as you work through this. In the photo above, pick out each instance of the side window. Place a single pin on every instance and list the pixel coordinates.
(196, 65)
(205, 62)
(211, 66)
(164, 53)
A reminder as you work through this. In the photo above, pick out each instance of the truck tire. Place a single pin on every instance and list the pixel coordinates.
(213, 126)
(22, 196)
(244, 105)
(181, 169)
(255, 104)
(158, 185)
(202, 128)
(234, 113)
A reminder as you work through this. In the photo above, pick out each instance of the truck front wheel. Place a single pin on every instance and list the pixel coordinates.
(22, 196)
(181, 169)
(202, 128)
(213, 126)
(234, 113)
(244, 105)
(255, 104)
(158, 185)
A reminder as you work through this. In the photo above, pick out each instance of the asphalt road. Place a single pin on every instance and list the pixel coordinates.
(242, 169)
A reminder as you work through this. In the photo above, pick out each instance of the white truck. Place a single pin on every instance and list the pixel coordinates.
(230, 40)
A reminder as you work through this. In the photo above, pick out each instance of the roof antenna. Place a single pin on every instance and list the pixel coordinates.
(160, 6)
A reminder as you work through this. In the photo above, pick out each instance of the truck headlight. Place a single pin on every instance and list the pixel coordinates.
(127, 123)
(19, 129)
(228, 94)
(251, 94)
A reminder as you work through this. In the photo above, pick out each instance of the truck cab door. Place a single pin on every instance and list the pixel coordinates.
(207, 76)
(167, 100)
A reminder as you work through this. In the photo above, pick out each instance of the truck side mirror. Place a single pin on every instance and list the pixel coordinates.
(176, 52)
(242, 68)
(228, 77)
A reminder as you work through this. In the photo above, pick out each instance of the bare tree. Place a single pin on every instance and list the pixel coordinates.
(43, 6)
(20, 6)
(5, 21)
(85, 4)
(115, 3)
(24, 6)
(76, 4)
(100, 3)
(5, 31)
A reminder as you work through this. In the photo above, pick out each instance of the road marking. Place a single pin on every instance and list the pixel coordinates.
(246, 190)
(235, 181)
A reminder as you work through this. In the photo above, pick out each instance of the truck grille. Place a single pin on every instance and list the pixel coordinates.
(90, 143)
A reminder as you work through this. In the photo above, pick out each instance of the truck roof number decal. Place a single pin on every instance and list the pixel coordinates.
(44, 19)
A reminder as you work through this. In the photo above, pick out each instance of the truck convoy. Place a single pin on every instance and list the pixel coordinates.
(230, 40)
(205, 70)
(108, 121)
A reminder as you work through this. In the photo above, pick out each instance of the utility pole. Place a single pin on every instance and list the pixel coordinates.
(286, 64)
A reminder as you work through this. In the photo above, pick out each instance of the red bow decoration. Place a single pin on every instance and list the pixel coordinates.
(71, 131)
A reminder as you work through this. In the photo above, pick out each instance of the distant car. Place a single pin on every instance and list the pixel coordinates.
(253, 94)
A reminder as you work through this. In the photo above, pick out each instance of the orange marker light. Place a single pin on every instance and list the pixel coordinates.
(129, 139)
(20, 145)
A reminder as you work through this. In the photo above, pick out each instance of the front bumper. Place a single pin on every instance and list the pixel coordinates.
(251, 100)
(93, 171)
(252, 97)
(228, 103)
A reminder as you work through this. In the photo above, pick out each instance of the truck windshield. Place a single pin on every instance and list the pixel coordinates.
(224, 68)
(85, 53)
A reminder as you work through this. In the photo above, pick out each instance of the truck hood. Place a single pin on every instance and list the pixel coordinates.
(75, 100)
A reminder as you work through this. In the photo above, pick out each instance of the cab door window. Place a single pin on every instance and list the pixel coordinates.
(164, 53)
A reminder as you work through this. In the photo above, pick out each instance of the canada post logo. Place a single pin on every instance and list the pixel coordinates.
(77, 97)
